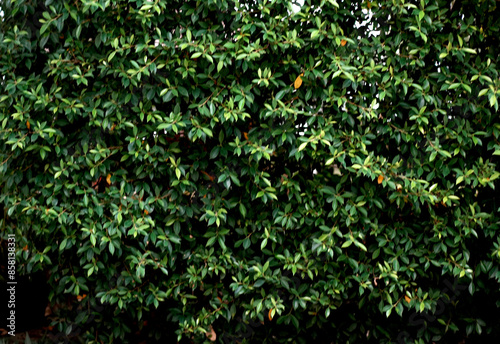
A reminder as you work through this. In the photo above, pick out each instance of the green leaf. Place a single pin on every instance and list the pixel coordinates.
(360, 245)
(62, 246)
(421, 15)
(483, 92)
(302, 146)
(214, 152)
(183, 91)
(243, 210)
(467, 88)
(432, 156)
(78, 31)
(44, 28)
(470, 51)
(263, 244)
(493, 100)
(347, 244)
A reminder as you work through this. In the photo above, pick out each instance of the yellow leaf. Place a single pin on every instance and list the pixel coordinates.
(298, 81)
(407, 299)
(28, 125)
(343, 42)
(380, 179)
(108, 179)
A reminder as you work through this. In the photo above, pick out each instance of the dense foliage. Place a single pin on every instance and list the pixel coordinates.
(255, 170)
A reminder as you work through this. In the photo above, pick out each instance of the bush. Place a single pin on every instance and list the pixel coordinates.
(255, 170)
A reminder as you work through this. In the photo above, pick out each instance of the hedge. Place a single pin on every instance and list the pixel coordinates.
(255, 171)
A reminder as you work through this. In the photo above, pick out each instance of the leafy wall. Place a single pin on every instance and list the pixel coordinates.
(255, 170)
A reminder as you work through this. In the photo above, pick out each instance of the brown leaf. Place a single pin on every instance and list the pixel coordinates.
(380, 179)
(211, 335)
(208, 175)
(95, 184)
(343, 42)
